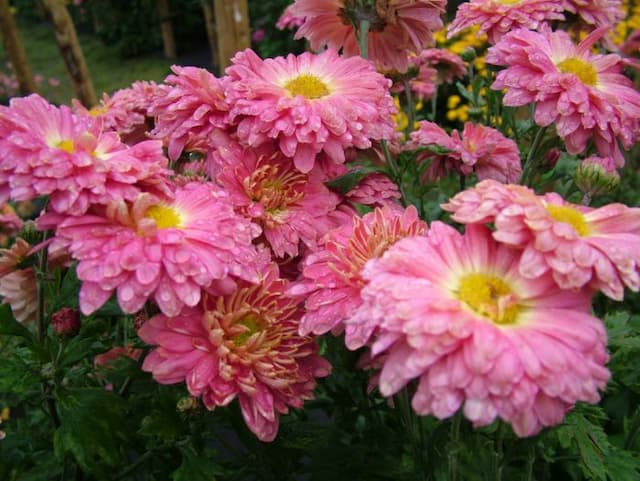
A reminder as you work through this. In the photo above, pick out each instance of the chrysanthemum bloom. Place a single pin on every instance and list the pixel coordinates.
(289, 205)
(126, 111)
(19, 289)
(189, 110)
(497, 17)
(481, 149)
(448, 65)
(376, 190)
(243, 345)
(309, 104)
(584, 95)
(50, 151)
(580, 246)
(596, 13)
(165, 250)
(398, 28)
(331, 280)
(453, 312)
(288, 21)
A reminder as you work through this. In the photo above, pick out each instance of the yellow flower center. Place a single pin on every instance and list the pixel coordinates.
(252, 324)
(569, 216)
(166, 217)
(67, 146)
(490, 297)
(98, 110)
(509, 2)
(308, 86)
(585, 71)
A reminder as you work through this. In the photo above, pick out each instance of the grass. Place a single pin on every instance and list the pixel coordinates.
(107, 69)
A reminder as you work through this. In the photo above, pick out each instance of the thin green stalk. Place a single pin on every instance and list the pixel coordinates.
(532, 160)
(434, 105)
(531, 459)
(411, 106)
(633, 431)
(391, 162)
(413, 428)
(42, 274)
(452, 455)
(364, 38)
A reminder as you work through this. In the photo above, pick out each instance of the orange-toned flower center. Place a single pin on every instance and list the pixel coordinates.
(309, 86)
(570, 216)
(490, 297)
(66, 145)
(585, 71)
(166, 217)
(251, 324)
(276, 190)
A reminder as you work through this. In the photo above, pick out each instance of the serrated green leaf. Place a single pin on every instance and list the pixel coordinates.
(10, 327)
(622, 465)
(195, 467)
(92, 427)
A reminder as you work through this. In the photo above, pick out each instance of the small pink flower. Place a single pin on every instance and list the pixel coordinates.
(398, 27)
(584, 95)
(190, 108)
(481, 149)
(165, 250)
(309, 104)
(580, 246)
(331, 276)
(496, 17)
(288, 21)
(376, 190)
(244, 345)
(448, 65)
(596, 13)
(454, 312)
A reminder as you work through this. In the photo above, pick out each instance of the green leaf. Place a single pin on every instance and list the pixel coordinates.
(195, 467)
(92, 427)
(590, 440)
(350, 180)
(10, 327)
(622, 465)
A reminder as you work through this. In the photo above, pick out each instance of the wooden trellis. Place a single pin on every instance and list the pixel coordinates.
(232, 28)
(15, 50)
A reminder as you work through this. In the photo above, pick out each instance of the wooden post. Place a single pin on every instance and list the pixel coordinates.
(168, 40)
(67, 40)
(210, 23)
(232, 22)
(15, 50)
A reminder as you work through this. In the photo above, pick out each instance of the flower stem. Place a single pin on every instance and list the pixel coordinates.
(452, 456)
(532, 160)
(364, 38)
(411, 106)
(414, 429)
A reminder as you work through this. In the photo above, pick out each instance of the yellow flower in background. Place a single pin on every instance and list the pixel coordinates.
(5, 413)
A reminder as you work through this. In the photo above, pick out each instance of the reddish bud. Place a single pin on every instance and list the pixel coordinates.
(66, 322)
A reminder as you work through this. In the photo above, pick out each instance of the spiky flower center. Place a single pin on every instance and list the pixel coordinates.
(307, 85)
(166, 217)
(66, 145)
(275, 189)
(585, 71)
(569, 216)
(250, 324)
(489, 296)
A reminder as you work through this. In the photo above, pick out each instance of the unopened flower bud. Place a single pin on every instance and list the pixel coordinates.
(188, 404)
(597, 176)
(551, 158)
(469, 54)
(66, 322)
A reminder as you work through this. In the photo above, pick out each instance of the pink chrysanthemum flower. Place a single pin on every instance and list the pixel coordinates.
(481, 149)
(309, 104)
(448, 65)
(376, 190)
(189, 110)
(331, 276)
(243, 345)
(453, 312)
(398, 27)
(579, 245)
(50, 151)
(165, 250)
(497, 17)
(289, 205)
(585, 95)
(289, 21)
(126, 110)
(18, 289)
(597, 13)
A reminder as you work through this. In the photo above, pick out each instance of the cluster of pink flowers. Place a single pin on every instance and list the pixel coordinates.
(206, 200)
